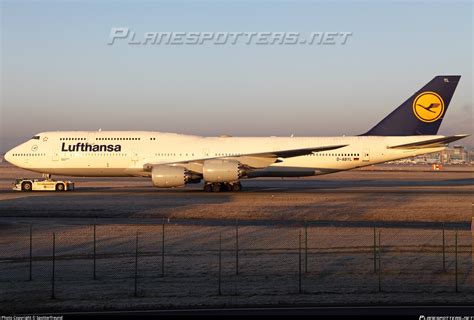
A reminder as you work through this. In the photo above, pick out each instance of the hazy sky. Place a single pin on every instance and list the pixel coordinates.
(58, 73)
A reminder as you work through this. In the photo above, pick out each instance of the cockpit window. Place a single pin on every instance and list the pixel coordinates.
(36, 137)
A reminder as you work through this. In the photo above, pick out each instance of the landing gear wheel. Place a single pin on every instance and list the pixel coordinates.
(216, 187)
(207, 187)
(60, 187)
(237, 187)
(26, 186)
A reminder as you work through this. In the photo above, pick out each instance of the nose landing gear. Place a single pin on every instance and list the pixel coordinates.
(225, 186)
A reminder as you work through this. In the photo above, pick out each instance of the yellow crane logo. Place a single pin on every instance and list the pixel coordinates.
(428, 106)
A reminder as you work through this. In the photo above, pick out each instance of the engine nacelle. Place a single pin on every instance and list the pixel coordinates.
(170, 176)
(221, 170)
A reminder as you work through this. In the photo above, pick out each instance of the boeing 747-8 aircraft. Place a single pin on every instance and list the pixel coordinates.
(173, 160)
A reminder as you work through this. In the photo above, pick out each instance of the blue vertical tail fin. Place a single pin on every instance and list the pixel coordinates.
(422, 113)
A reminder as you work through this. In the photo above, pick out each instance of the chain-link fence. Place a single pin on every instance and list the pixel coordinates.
(174, 260)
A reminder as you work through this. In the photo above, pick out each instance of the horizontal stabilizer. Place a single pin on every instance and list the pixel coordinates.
(432, 143)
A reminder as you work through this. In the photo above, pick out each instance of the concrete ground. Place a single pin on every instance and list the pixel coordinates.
(409, 206)
(394, 194)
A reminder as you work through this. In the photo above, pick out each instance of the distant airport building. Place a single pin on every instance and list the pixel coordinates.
(470, 156)
(455, 155)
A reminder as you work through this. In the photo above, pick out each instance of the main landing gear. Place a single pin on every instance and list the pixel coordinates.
(225, 186)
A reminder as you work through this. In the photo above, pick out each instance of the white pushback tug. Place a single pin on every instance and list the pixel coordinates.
(26, 185)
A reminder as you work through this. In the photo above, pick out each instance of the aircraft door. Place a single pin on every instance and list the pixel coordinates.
(366, 155)
(87, 158)
(91, 138)
(135, 155)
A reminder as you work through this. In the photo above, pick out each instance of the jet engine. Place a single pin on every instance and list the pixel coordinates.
(221, 170)
(170, 176)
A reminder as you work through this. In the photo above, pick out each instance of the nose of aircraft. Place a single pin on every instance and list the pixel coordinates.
(8, 156)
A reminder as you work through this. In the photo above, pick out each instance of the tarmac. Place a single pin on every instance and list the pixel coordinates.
(377, 194)
(422, 220)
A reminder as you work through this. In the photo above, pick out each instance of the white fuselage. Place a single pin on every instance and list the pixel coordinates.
(124, 153)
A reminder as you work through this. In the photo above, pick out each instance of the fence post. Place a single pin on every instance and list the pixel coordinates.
(237, 247)
(305, 246)
(444, 252)
(94, 256)
(375, 252)
(380, 264)
(31, 253)
(163, 249)
(220, 263)
(136, 264)
(53, 269)
(299, 262)
(472, 245)
(456, 259)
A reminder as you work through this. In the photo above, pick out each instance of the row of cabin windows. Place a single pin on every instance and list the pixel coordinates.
(238, 154)
(84, 139)
(87, 154)
(334, 154)
(173, 154)
(101, 154)
(226, 154)
(29, 154)
(121, 139)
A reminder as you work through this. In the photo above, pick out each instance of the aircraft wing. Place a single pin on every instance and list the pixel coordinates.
(295, 152)
(432, 143)
(252, 160)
